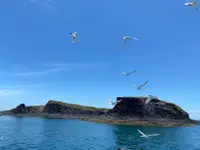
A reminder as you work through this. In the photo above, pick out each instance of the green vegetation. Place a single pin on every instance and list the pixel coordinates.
(76, 106)
(168, 103)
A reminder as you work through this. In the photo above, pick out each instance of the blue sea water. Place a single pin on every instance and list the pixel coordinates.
(31, 133)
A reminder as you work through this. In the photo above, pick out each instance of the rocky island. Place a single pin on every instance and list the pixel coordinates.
(129, 111)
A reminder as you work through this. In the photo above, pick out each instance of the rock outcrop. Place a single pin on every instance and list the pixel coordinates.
(20, 109)
(53, 107)
(157, 109)
(23, 109)
(130, 110)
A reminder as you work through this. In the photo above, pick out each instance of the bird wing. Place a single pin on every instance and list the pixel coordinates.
(110, 102)
(148, 100)
(119, 101)
(123, 44)
(133, 71)
(135, 85)
(129, 37)
(194, 5)
(70, 33)
(153, 134)
(124, 73)
(144, 83)
(141, 133)
(135, 38)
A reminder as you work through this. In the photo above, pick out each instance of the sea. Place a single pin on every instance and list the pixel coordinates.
(32, 133)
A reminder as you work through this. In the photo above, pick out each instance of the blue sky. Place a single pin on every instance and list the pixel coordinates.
(39, 62)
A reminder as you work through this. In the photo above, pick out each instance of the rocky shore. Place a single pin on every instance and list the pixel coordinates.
(129, 111)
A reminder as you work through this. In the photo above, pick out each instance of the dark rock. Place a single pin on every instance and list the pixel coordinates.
(20, 109)
(71, 109)
(135, 106)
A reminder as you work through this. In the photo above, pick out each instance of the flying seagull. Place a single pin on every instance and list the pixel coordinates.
(127, 38)
(193, 4)
(75, 35)
(113, 103)
(140, 87)
(146, 136)
(150, 97)
(127, 74)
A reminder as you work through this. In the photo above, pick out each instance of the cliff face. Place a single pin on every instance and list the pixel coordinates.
(23, 109)
(135, 106)
(53, 107)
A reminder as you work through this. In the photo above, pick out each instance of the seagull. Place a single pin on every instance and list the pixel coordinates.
(75, 35)
(113, 103)
(140, 87)
(127, 38)
(146, 136)
(127, 74)
(143, 135)
(150, 97)
(193, 4)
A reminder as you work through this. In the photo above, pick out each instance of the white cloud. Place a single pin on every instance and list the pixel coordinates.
(9, 92)
(20, 86)
(47, 68)
(35, 73)
(35, 85)
(78, 65)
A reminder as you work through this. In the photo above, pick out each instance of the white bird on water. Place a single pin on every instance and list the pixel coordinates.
(140, 86)
(75, 36)
(146, 136)
(127, 74)
(150, 97)
(193, 4)
(127, 38)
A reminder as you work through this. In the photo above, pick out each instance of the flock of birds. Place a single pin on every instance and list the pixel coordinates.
(193, 4)
(75, 39)
(138, 87)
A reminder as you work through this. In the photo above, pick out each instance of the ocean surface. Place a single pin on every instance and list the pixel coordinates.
(31, 133)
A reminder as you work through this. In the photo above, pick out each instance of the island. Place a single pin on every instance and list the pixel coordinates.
(128, 111)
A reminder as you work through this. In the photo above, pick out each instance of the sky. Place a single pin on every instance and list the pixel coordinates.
(39, 62)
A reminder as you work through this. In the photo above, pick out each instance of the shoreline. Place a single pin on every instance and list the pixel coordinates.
(114, 121)
(130, 111)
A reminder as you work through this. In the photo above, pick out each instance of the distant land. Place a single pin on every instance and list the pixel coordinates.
(129, 111)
